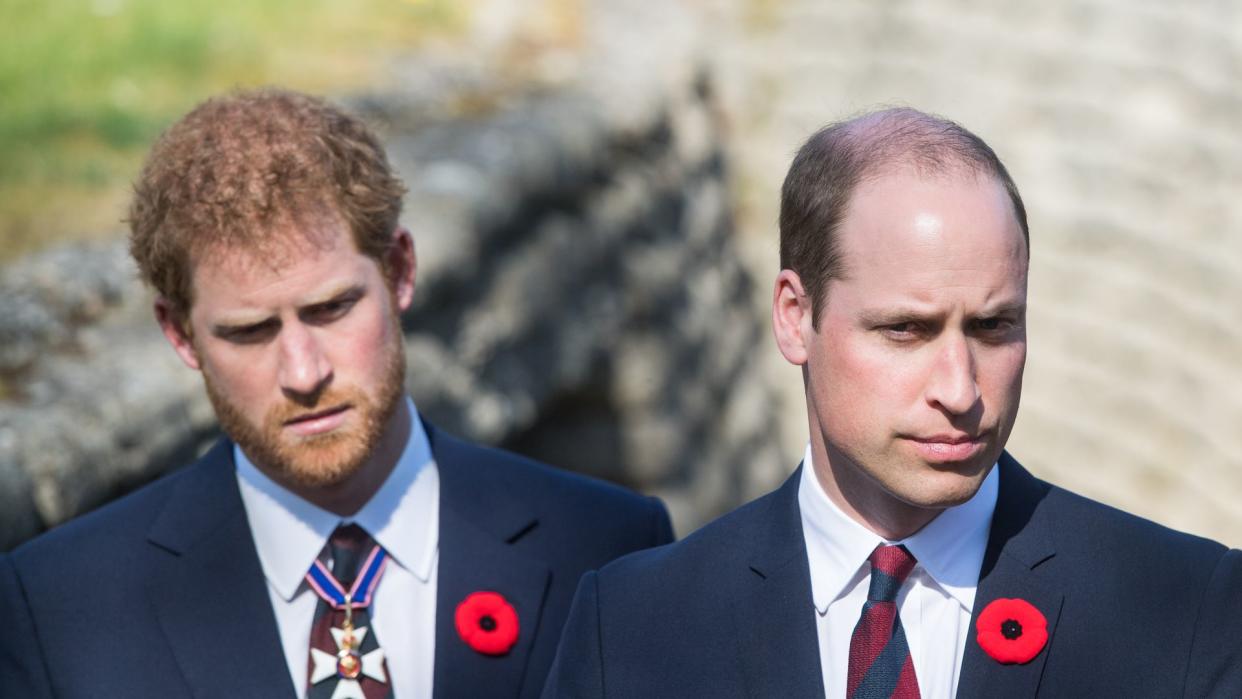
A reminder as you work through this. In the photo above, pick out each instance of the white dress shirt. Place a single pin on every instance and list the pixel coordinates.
(934, 603)
(403, 517)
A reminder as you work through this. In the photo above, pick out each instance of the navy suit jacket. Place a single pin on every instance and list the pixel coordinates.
(161, 594)
(1133, 609)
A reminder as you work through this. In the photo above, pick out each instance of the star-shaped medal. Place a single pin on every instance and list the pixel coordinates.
(347, 665)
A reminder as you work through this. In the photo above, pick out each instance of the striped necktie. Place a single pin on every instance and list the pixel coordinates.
(346, 661)
(880, 664)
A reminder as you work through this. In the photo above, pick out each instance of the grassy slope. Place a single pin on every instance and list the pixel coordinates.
(85, 85)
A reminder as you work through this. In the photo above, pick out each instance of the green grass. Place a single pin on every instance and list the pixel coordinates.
(85, 85)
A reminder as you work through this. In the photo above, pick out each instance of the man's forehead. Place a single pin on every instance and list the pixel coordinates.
(269, 256)
(309, 267)
(908, 231)
(914, 207)
(277, 247)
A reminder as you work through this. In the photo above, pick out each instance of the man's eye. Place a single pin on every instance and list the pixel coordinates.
(250, 334)
(330, 311)
(902, 331)
(993, 324)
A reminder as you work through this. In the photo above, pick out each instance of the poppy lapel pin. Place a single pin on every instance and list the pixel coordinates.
(1011, 631)
(487, 623)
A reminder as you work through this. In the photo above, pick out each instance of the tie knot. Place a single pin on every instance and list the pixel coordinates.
(350, 536)
(890, 566)
(347, 546)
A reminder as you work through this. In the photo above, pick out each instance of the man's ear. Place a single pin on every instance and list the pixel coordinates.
(401, 264)
(176, 327)
(791, 317)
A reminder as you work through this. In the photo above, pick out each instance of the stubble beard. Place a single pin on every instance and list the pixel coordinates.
(321, 460)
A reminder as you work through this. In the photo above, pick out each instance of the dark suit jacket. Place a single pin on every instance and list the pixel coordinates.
(161, 594)
(1133, 609)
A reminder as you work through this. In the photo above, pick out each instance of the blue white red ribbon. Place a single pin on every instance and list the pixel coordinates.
(330, 589)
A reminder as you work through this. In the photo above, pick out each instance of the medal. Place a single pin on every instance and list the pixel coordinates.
(349, 664)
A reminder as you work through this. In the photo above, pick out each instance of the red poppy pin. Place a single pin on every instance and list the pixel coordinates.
(487, 623)
(1011, 631)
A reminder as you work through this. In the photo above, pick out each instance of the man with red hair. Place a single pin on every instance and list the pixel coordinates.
(334, 544)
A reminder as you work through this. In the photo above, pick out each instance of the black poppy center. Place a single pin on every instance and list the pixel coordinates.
(487, 623)
(1011, 629)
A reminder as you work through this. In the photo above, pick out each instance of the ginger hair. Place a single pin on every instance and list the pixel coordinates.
(242, 168)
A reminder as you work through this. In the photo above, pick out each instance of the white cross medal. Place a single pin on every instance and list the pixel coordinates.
(349, 664)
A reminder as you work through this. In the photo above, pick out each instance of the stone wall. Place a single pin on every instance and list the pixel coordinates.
(579, 300)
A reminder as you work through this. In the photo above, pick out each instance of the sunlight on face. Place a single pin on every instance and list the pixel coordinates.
(301, 357)
(915, 372)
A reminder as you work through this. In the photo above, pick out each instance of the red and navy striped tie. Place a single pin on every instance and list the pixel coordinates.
(880, 664)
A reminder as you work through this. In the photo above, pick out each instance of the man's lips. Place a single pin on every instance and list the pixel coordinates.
(948, 438)
(318, 422)
(948, 446)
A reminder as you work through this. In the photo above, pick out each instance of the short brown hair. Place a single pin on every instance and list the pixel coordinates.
(237, 166)
(837, 158)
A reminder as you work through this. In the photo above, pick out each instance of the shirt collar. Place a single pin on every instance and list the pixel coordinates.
(949, 549)
(403, 516)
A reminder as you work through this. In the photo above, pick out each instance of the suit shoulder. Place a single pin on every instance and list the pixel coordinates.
(132, 512)
(716, 544)
(532, 479)
(1087, 520)
(576, 512)
(124, 520)
(1117, 545)
(1099, 534)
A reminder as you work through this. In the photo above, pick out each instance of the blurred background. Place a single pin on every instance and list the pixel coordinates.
(594, 195)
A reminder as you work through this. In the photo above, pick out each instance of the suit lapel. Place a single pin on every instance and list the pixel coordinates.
(774, 611)
(209, 592)
(1019, 543)
(479, 522)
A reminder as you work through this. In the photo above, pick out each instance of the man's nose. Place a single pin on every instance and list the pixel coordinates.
(304, 367)
(952, 386)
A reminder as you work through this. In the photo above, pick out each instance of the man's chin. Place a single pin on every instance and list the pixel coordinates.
(316, 478)
(947, 484)
(320, 464)
(976, 468)
(323, 471)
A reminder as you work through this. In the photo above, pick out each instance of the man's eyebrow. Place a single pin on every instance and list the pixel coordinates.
(1004, 308)
(225, 327)
(339, 294)
(897, 314)
(902, 314)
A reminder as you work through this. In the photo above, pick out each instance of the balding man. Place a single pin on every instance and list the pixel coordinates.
(909, 555)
